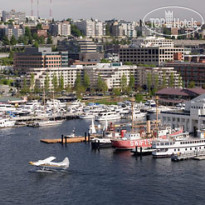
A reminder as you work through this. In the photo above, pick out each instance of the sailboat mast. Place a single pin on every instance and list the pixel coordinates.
(132, 100)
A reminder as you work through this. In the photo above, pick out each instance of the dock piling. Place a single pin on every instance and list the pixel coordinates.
(62, 136)
(85, 136)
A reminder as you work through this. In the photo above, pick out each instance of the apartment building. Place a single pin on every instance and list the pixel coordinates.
(15, 31)
(110, 73)
(190, 71)
(60, 28)
(160, 74)
(69, 75)
(17, 17)
(41, 57)
(90, 28)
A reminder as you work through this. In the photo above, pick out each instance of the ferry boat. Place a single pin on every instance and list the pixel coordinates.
(169, 147)
(103, 116)
(132, 140)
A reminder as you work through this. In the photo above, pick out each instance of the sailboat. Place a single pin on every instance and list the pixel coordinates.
(48, 122)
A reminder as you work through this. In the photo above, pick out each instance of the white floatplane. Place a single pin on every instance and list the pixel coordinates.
(48, 164)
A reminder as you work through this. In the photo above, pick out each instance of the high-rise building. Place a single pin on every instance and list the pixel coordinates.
(17, 17)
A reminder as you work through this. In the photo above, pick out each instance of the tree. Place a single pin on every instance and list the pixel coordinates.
(123, 83)
(5, 40)
(191, 84)
(13, 40)
(75, 31)
(39, 26)
(25, 88)
(61, 82)
(171, 80)
(101, 85)
(86, 80)
(55, 82)
(132, 82)
(139, 97)
(180, 82)
(149, 81)
(156, 82)
(77, 82)
(128, 63)
(32, 81)
(47, 83)
(49, 40)
(105, 61)
(116, 91)
(164, 82)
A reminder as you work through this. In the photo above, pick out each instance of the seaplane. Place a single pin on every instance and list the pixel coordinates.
(48, 164)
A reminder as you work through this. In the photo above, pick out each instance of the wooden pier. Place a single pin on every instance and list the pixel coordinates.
(65, 140)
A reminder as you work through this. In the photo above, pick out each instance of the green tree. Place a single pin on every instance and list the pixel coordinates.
(39, 26)
(171, 80)
(75, 31)
(13, 40)
(107, 30)
(156, 82)
(123, 83)
(180, 82)
(47, 83)
(5, 40)
(139, 97)
(101, 85)
(32, 81)
(55, 82)
(49, 40)
(116, 91)
(149, 81)
(25, 88)
(105, 61)
(132, 82)
(164, 82)
(128, 63)
(191, 84)
(78, 83)
(86, 81)
(61, 82)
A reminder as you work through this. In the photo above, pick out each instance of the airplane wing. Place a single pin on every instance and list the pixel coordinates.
(42, 162)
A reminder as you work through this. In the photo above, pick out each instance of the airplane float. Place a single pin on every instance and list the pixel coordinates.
(48, 164)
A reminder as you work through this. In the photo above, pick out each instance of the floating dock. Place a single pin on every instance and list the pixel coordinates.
(65, 140)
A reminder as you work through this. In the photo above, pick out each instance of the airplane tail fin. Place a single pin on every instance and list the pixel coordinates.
(66, 162)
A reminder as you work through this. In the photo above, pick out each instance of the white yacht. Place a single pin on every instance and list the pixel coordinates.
(150, 103)
(46, 123)
(103, 116)
(6, 107)
(4, 123)
(185, 145)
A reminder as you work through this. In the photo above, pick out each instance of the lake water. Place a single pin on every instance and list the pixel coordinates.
(104, 177)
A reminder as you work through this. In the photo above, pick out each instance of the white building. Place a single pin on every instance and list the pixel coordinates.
(90, 28)
(161, 74)
(64, 28)
(110, 73)
(152, 41)
(192, 118)
(69, 75)
(17, 17)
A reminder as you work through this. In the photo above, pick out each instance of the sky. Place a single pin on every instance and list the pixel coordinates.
(99, 9)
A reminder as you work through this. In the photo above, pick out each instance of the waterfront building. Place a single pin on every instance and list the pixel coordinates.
(41, 57)
(150, 51)
(190, 71)
(191, 119)
(159, 77)
(174, 96)
(111, 73)
(69, 75)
